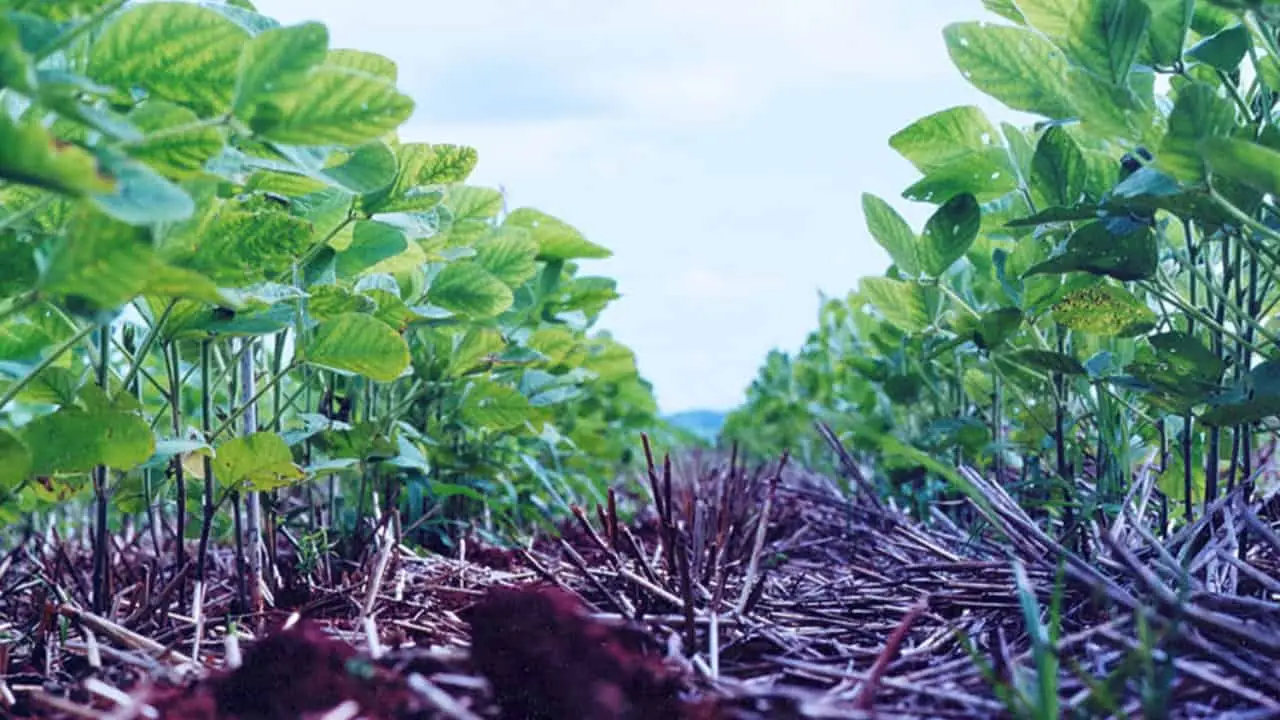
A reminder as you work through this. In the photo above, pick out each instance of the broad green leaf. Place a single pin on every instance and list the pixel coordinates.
(1104, 310)
(17, 71)
(557, 344)
(277, 61)
(509, 254)
(1058, 171)
(18, 269)
(329, 301)
(476, 345)
(368, 168)
(1256, 397)
(996, 327)
(1243, 161)
(177, 143)
(1170, 20)
(1006, 9)
(1225, 50)
(334, 106)
(178, 51)
(361, 344)
(1049, 362)
(100, 260)
(949, 233)
(1189, 352)
(987, 175)
(242, 247)
(472, 210)
(1107, 35)
(901, 303)
(142, 196)
(1013, 65)
(557, 240)
(371, 243)
(74, 441)
(1131, 253)
(933, 142)
(365, 62)
(467, 288)
(421, 167)
(15, 460)
(261, 461)
(892, 233)
(1198, 114)
(30, 154)
(495, 407)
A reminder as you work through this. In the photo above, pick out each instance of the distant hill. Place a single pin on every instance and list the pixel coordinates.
(703, 423)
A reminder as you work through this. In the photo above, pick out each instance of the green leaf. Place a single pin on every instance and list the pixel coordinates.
(18, 269)
(495, 407)
(1254, 165)
(421, 167)
(177, 143)
(892, 233)
(70, 441)
(178, 51)
(1256, 397)
(370, 167)
(31, 155)
(472, 210)
(261, 461)
(901, 303)
(1104, 310)
(371, 243)
(933, 142)
(1059, 173)
(1189, 353)
(1224, 50)
(277, 60)
(334, 106)
(1199, 113)
(557, 240)
(509, 254)
(99, 260)
(1107, 35)
(467, 288)
(1130, 253)
(241, 247)
(996, 327)
(361, 344)
(15, 460)
(142, 196)
(365, 62)
(949, 233)
(1013, 65)
(1170, 20)
(1049, 362)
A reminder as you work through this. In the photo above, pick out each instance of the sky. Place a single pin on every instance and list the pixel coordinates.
(719, 149)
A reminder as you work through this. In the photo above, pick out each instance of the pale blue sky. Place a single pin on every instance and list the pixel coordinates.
(719, 148)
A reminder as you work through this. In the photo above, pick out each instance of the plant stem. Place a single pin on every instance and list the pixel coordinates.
(206, 422)
(101, 550)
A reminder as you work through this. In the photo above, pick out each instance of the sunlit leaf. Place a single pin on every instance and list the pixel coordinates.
(261, 461)
(467, 288)
(360, 344)
(1104, 310)
(74, 441)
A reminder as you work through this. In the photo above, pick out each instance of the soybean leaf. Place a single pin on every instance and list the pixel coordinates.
(509, 254)
(371, 243)
(949, 233)
(18, 269)
(15, 460)
(936, 140)
(1223, 50)
(1015, 66)
(141, 195)
(261, 461)
(176, 142)
(420, 169)
(996, 327)
(361, 344)
(71, 440)
(363, 61)
(1107, 35)
(277, 60)
(892, 233)
(1170, 20)
(241, 247)
(1059, 173)
(1132, 253)
(178, 51)
(1049, 361)
(1198, 113)
(1104, 310)
(1243, 161)
(30, 154)
(901, 303)
(467, 288)
(492, 406)
(368, 168)
(557, 240)
(1256, 397)
(334, 106)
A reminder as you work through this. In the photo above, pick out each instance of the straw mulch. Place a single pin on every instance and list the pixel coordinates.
(733, 592)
